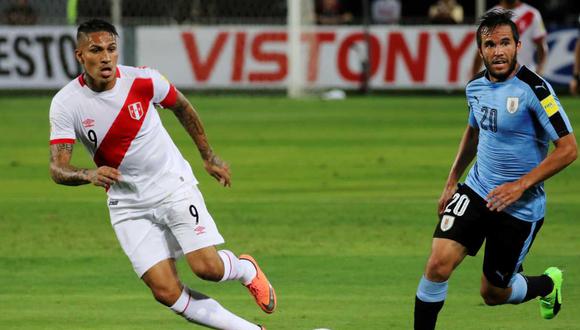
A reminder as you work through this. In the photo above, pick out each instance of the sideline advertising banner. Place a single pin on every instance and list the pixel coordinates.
(248, 57)
(39, 57)
(242, 57)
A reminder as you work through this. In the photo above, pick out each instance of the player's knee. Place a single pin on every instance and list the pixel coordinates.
(438, 269)
(166, 295)
(209, 270)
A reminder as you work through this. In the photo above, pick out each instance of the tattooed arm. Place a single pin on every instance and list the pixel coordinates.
(62, 172)
(190, 120)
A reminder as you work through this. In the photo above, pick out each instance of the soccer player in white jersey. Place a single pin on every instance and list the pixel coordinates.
(156, 210)
(532, 35)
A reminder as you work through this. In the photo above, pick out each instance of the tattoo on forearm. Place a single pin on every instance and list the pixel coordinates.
(61, 171)
(64, 147)
(188, 117)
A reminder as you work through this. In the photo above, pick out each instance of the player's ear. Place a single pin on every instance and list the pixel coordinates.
(518, 45)
(79, 56)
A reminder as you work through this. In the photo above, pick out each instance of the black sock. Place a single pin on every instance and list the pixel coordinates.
(538, 286)
(426, 314)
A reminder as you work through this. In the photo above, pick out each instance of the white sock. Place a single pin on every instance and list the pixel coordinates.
(209, 312)
(236, 269)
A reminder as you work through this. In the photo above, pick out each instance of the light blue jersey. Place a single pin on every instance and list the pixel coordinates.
(517, 119)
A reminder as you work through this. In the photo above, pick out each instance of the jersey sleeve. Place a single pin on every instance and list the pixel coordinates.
(550, 114)
(61, 124)
(471, 119)
(164, 93)
(538, 27)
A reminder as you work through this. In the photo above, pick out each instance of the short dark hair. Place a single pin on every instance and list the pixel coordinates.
(96, 25)
(495, 18)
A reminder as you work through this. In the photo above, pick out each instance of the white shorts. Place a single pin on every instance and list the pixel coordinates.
(175, 226)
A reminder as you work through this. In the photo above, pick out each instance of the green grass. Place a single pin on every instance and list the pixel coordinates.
(335, 199)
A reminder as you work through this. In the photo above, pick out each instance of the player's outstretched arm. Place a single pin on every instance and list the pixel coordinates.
(465, 154)
(190, 120)
(564, 154)
(62, 172)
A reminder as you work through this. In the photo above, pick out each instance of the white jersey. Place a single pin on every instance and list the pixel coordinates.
(531, 28)
(121, 128)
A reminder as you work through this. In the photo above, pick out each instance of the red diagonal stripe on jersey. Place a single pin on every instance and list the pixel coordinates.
(524, 22)
(122, 132)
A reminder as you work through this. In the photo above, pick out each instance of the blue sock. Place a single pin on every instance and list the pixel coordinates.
(429, 291)
(519, 287)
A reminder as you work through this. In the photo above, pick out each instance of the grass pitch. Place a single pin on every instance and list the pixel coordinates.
(336, 200)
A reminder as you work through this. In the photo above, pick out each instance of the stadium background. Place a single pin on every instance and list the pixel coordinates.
(337, 197)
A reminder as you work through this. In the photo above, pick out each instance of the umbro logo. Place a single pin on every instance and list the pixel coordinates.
(88, 123)
(199, 230)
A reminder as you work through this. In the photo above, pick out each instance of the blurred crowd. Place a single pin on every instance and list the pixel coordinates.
(27, 12)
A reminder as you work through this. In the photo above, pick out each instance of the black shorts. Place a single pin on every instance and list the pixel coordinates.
(468, 221)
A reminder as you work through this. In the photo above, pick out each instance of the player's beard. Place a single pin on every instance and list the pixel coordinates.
(505, 75)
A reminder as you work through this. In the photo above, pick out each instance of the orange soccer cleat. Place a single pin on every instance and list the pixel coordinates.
(261, 288)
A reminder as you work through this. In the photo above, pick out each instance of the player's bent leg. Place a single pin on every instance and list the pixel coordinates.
(520, 289)
(195, 307)
(445, 256)
(493, 295)
(223, 265)
(206, 264)
(163, 281)
(200, 309)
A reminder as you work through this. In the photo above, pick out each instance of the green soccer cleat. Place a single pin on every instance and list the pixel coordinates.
(551, 304)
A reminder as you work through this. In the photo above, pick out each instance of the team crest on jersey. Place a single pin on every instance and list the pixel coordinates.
(447, 222)
(135, 110)
(512, 104)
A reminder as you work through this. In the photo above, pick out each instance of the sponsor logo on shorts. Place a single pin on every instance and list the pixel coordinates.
(447, 222)
(199, 230)
(113, 202)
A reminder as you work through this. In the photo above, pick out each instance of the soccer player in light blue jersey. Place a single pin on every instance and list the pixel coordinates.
(513, 114)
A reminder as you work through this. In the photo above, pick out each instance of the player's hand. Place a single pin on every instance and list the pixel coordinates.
(104, 176)
(505, 195)
(448, 191)
(219, 169)
(573, 86)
